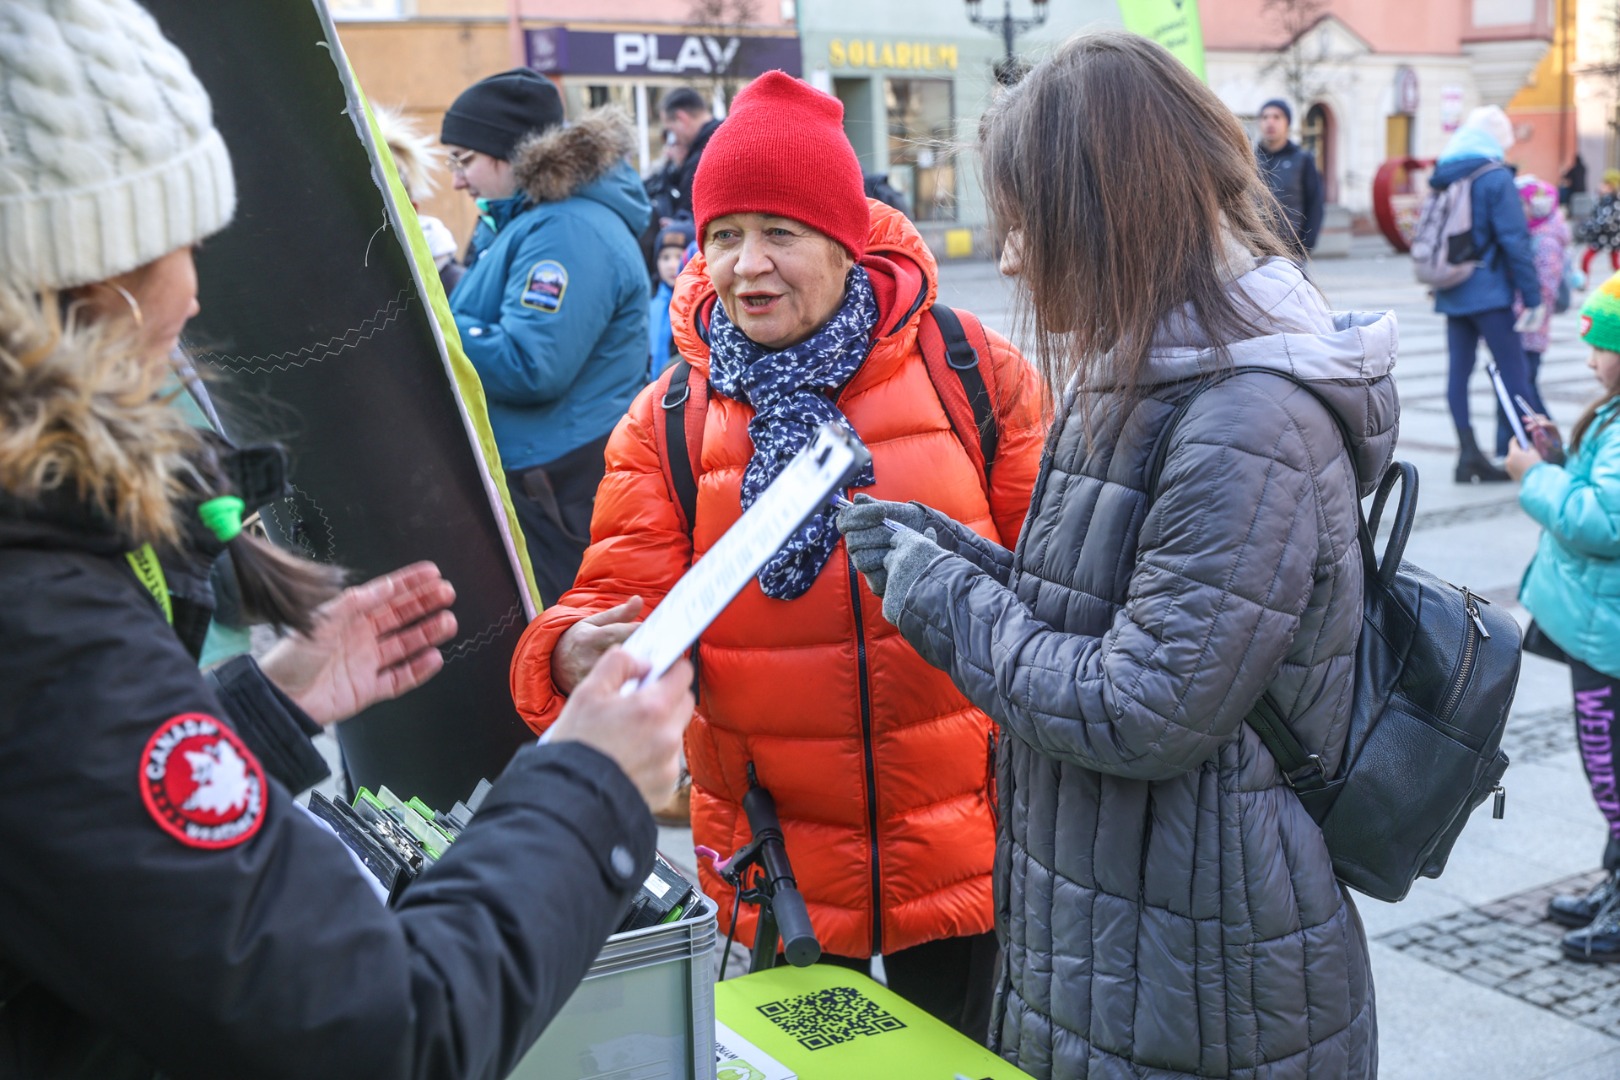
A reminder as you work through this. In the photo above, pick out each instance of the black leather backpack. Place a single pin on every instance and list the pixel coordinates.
(1435, 671)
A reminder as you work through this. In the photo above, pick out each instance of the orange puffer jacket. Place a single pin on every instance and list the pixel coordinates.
(879, 767)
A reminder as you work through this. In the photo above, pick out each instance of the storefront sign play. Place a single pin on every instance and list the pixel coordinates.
(559, 50)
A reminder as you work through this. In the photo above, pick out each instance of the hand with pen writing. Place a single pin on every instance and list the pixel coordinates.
(1544, 437)
(1545, 445)
(870, 527)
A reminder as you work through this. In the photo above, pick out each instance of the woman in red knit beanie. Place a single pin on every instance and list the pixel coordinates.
(808, 305)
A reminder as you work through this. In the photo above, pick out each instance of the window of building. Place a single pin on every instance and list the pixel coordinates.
(641, 100)
(1317, 134)
(922, 127)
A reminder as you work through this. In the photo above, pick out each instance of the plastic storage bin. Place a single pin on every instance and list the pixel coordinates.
(645, 1010)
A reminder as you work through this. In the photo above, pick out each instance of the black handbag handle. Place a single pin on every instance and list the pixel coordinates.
(1400, 529)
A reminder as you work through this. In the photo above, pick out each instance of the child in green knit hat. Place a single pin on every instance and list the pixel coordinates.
(1572, 588)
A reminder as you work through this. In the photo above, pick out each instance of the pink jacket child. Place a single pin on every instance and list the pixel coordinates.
(1549, 241)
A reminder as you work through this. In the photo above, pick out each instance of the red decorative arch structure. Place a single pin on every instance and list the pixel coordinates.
(1394, 209)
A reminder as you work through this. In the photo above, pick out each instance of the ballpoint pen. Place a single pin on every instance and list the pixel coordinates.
(842, 502)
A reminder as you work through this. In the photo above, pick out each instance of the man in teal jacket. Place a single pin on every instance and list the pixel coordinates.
(553, 309)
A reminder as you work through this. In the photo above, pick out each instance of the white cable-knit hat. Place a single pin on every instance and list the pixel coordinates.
(108, 153)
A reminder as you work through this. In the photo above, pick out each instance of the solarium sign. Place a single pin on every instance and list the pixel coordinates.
(557, 50)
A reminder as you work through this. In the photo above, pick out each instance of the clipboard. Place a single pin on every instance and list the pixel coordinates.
(713, 582)
(1508, 407)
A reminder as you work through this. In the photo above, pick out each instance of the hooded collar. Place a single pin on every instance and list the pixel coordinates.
(1346, 357)
(585, 159)
(1472, 142)
(905, 280)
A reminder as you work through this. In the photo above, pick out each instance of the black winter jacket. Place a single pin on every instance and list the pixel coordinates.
(682, 190)
(126, 948)
(1293, 178)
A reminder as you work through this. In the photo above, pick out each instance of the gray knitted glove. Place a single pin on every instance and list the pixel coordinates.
(909, 555)
(869, 539)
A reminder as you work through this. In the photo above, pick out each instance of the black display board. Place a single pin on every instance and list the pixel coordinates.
(320, 333)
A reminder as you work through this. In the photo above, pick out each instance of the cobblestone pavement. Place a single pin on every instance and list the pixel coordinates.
(1537, 736)
(1510, 946)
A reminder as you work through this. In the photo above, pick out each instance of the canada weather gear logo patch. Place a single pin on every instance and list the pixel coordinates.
(201, 784)
(546, 285)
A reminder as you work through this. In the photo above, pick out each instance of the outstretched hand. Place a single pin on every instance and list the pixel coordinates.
(371, 643)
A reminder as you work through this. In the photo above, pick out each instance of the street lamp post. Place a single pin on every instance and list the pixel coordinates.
(1009, 28)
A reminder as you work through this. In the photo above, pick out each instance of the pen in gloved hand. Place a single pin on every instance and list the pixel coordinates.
(842, 502)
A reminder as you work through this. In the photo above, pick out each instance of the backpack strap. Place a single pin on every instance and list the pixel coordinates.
(952, 358)
(679, 435)
(1302, 769)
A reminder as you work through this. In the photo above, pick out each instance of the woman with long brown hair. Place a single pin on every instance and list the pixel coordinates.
(1167, 906)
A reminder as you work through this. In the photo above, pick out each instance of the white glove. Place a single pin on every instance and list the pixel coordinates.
(1531, 320)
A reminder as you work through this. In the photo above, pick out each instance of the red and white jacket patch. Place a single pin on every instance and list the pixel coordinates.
(201, 784)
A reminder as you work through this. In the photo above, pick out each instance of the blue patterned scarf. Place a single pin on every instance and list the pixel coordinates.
(791, 394)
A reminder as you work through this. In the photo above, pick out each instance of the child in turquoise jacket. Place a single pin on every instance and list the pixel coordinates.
(1572, 588)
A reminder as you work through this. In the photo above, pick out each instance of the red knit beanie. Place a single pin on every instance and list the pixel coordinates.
(782, 150)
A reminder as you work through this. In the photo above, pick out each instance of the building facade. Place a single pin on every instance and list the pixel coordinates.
(1369, 82)
(914, 77)
(1596, 73)
(419, 54)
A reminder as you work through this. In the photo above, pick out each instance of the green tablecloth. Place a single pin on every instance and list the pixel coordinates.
(829, 1023)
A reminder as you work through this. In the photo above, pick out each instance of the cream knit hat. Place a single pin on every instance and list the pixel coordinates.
(108, 153)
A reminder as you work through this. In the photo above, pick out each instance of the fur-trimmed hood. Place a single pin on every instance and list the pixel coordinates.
(556, 164)
(85, 432)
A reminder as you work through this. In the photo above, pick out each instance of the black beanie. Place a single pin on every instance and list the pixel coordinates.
(1275, 103)
(493, 115)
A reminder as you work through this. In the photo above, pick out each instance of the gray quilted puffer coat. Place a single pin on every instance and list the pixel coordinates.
(1167, 906)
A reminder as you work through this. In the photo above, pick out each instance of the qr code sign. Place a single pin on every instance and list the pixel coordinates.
(829, 1017)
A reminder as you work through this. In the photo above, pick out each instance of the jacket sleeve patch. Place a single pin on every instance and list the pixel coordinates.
(201, 783)
(547, 283)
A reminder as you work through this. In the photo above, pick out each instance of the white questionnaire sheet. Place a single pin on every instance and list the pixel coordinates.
(703, 592)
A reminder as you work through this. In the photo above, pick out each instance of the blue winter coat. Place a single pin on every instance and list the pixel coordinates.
(1573, 584)
(660, 336)
(1501, 232)
(553, 311)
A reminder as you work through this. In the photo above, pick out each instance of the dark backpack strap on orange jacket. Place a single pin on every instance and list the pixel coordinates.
(953, 344)
(683, 405)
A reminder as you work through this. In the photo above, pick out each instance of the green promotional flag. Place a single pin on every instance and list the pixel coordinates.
(1172, 23)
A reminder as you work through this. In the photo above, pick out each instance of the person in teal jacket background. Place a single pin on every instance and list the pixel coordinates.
(1572, 588)
(552, 311)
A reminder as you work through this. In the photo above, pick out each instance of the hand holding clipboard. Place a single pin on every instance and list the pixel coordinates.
(1542, 436)
(1506, 401)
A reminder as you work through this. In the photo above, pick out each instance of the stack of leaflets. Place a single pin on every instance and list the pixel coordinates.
(396, 839)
